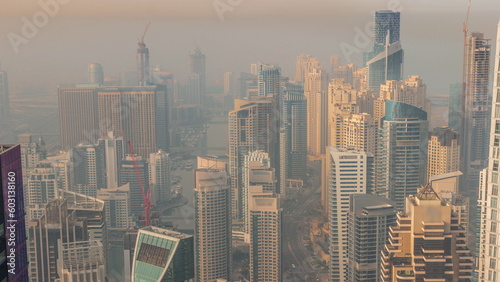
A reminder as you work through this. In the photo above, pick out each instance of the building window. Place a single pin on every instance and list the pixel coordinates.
(493, 227)
(493, 263)
(494, 214)
(494, 202)
(494, 190)
(493, 239)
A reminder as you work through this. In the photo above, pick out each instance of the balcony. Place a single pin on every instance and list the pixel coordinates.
(404, 274)
(434, 258)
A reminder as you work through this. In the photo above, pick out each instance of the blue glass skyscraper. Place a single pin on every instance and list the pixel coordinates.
(401, 165)
(385, 62)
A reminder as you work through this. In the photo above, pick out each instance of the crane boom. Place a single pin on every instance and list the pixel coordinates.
(146, 195)
(144, 34)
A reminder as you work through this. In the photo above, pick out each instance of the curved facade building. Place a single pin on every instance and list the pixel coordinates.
(401, 165)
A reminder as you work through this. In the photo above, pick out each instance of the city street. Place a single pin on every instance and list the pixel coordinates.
(295, 226)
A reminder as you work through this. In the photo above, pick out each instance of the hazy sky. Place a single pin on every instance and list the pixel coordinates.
(273, 31)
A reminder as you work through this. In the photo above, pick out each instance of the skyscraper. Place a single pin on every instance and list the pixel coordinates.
(69, 219)
(89, 169)
(41, 187)
(12, 227)
(455, 108)
(402, 152)
(212, 220)
(78, 115)
(4, 96)
(143, 69)
(488, 191)
(386, 23)
(163, 255)
(250, 129)
(443, 151)
(347, 172)
(96, 75)
(256, 172)
(118, 212)
(386, 60)
(316, 93)
(359, 131)
(128, 175)
(427, 243)
(114, 149)
(295, 123)
(265, 237)
(477, 100)
(81, 260)
(197, 66)
(159, 175)
(229, 86)
(33, 151)
(301, 67)
(139, 112)
(341, 105)
(370, 217)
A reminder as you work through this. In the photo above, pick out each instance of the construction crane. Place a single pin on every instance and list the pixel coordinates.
(464, 128)
(146, 195)
(144, 34)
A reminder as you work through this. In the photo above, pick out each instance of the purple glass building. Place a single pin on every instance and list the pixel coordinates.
(13, 247)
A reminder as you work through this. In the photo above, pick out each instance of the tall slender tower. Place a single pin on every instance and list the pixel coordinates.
(348, 172)
(128, 175)
(143, 70)
(256, 172)
(14, 264)
(402, 152)
(249, 129)
(213, 220)
(197, 67)
(295, 123)
(265, 237)
(316, 93)
(159, 175)
(386, 60)
(477, 113)
(488, 191)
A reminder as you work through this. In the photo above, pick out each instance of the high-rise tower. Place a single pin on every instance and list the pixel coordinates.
(265, 237)
(96, 75)
(197, 68)
(347, 172)
(163, 255)
(369, 219)
(13, 244)
(443, 151)
(476, 120)
(386, 60)
(488, 191)
(427, 243)
(78, 115)
(213, 220)
(401, 163)
(143, 69)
